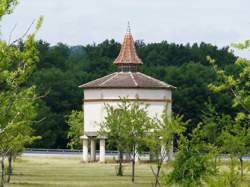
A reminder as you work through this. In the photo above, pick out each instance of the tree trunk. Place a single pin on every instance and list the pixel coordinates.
(133, 169)
(241, 166)
(9, 168)
(157, 182)
(2, 181)
(120, 169)
(133, 164)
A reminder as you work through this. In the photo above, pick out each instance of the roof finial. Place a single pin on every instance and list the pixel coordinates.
(128, 28)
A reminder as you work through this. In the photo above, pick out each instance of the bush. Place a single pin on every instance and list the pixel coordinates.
(193, 163)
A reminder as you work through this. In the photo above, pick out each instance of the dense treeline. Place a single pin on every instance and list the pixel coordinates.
(62, 69)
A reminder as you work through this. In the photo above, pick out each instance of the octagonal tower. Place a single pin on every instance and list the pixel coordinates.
(126, 82)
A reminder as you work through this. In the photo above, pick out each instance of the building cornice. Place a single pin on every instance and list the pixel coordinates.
(121, 87)
(119, 100)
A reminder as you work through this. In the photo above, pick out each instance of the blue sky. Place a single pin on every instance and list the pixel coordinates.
(75, 22)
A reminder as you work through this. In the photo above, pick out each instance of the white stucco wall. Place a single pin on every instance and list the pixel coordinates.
(94, 111)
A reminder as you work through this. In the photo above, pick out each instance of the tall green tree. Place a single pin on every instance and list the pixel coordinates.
(137, 126)
(17, 102)
(113, 128)
(126, 125)
(235, 136)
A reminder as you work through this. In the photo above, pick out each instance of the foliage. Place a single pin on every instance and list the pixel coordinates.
(236, 136)
(213, 124)
(75, 122)
(17, 101)
(227, 178)
(161, 138)
(18, 106)
(16, 121)
(238, 84)
(235, 139)
(126, 126)
(193, 161)
(137, 126)
(114, 125)
(113, 128)
(6, 7)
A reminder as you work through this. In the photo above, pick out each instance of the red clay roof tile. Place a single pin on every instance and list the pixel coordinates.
(128, 53)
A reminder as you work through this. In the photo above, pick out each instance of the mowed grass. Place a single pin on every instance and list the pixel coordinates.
(70, 172)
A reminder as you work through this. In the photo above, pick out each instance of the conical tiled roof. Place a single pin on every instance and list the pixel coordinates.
(128, 53)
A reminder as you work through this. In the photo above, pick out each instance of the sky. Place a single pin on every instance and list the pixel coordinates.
(80, 22)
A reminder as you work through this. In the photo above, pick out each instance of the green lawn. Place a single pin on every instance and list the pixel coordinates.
(61, 171)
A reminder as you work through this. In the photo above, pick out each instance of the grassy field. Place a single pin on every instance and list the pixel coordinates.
(69, 172)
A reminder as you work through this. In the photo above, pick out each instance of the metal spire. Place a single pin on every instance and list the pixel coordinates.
(128, 28)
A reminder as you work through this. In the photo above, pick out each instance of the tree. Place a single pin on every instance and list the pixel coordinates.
(126, 126)
(160, 140)
(238, 84)
(18, 112)
(235, 140)
(193, 161)
(17, 102)
(137, 126)
(75, 122)
(113, 128)
(6, 7)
